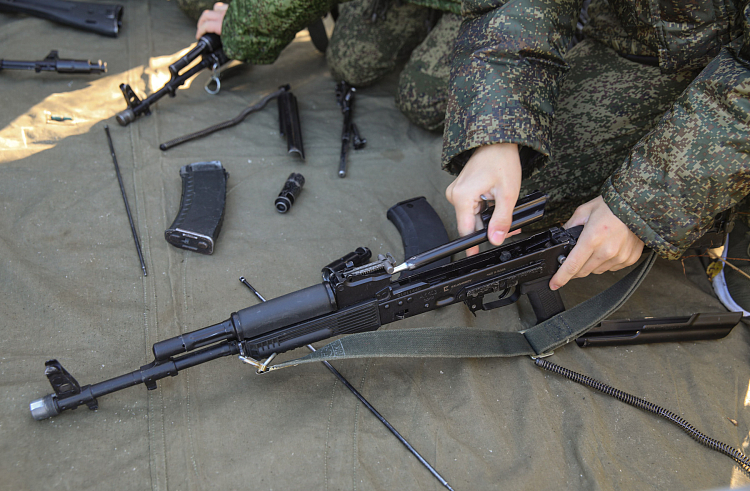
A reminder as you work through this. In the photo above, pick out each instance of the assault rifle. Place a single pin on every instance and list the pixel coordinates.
(53, 63)
(353, 299)
(101, 18)
(212, 55)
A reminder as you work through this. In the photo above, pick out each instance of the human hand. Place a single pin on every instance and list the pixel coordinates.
(606, 244)
(493, 171)
(210, 20)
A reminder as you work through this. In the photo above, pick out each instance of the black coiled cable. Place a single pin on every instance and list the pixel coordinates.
(696, 435)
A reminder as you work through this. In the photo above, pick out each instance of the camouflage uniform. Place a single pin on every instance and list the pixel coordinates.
(194, 8)
(361, 49)
(667, 146)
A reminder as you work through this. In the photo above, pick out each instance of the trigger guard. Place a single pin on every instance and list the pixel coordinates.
(507, 297)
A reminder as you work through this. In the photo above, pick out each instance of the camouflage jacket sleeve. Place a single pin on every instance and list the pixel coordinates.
(256, 31)
(508, 65)
(696, 162)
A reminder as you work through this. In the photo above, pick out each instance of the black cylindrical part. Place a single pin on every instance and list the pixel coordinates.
(17, 65)
(284, 311)
(191, 340)
(125, 117)
(80, 66)
(207, 42)
(290, 191)
(51, 405)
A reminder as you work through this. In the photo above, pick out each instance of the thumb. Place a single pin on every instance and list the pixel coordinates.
(500, 222)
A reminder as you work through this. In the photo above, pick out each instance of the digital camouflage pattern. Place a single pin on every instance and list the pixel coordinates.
(423, 84)
(361, 52)
(693, 165)
(256, 31)
(606, 105)
(194, 8)
(667, 157)
(683, 34)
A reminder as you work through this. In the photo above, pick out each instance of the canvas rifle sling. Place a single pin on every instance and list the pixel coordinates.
(464, 342)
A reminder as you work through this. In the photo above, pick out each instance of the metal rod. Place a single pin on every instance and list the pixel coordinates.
(125, 199)
(223, 125)
(523, 214)
(367, 404)
(245, 282)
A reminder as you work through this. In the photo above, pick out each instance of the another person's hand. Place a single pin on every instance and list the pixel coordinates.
(493, 171)
(210, 20)
(606, 244)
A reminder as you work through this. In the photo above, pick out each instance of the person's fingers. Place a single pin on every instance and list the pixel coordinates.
(210, 21)
(572, 265)
(502, 218)
(625, 258)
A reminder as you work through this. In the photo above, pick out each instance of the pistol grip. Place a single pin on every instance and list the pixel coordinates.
(545, 302)
(421, 229)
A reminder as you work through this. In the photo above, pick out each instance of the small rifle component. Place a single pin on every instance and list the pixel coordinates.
(528, 209)
(125, 199)
(696, 327)
(356, 258)
(289, 124)
(212, 56)
(350, 133)
(357, 299)
(289, 118)
(198, 223)
(53, 63)
(290, 192)
(101, 18)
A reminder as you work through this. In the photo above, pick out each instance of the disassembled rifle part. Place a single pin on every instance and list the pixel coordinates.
(421, 229)
(359, 256)
(53, 63)
(210, 50)
(101, 18)
(125, 199)
(696, 327)
(736, 455)
(288, 121)
(255, 292)
(350, 133)
(262, 368)
(289, 193)
(198, 222)
(528, 209)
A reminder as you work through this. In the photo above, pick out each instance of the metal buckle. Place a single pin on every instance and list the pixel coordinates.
(262, 367)
(213, 86)
(543, 355)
